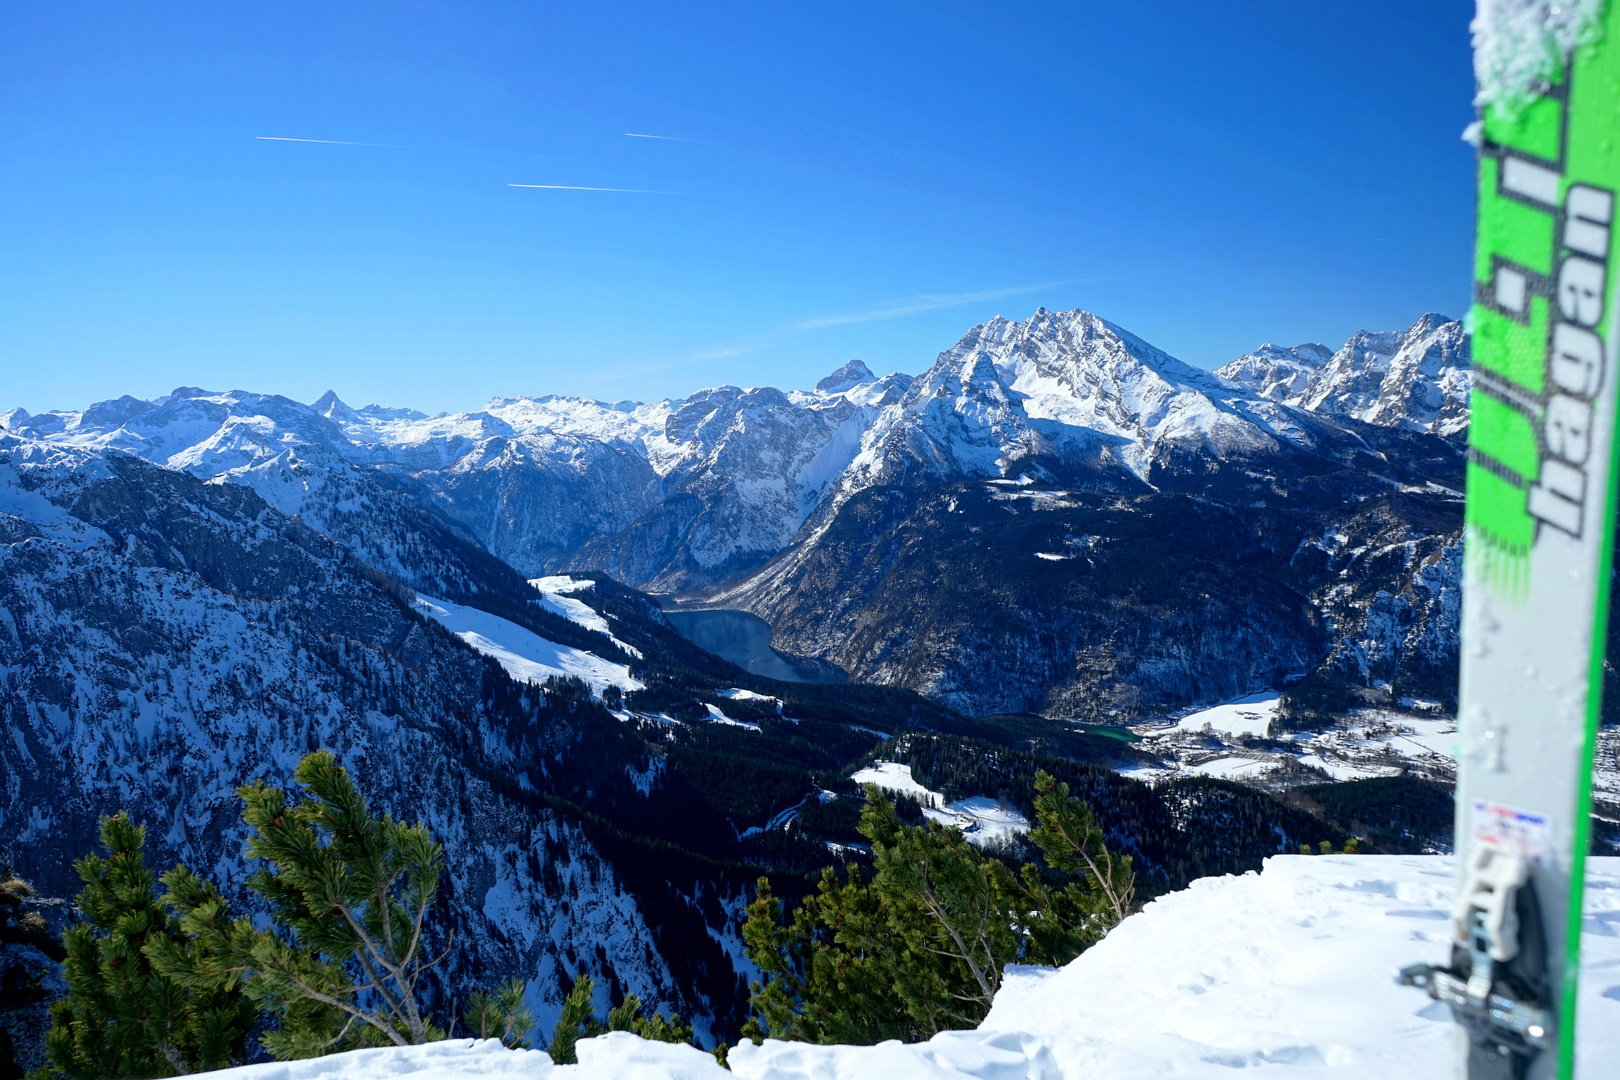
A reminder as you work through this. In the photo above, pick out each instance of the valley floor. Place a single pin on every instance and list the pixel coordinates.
(1289, 968)
(1230, 740)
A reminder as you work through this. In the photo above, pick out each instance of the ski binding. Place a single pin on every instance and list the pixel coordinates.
(1496, 923)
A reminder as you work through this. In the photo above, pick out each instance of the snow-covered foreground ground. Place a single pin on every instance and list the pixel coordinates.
(525, 655)
(1289, 969)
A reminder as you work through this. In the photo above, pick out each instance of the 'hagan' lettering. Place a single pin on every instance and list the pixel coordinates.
(1575, 361)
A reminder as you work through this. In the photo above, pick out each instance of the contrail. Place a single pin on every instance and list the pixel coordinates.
(665, 138)
(576, 187)
(402, 146)
(339, 142)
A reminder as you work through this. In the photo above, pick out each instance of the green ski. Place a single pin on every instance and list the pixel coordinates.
(1540, 524)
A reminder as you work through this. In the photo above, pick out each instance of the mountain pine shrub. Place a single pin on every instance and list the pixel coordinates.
(1100, 889)
(124, 1016)
(921, 947)
(578, 1021)
(501, 1014)
(348, 894)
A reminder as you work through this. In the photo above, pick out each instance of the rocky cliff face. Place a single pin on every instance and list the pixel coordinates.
(743, 469)
(1388, 584)
(1276, 373)
(163, 641)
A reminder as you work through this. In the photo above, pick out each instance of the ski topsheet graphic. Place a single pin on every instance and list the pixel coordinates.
(1540, 524)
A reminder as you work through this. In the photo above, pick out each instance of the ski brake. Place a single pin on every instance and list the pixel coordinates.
(1495, 984)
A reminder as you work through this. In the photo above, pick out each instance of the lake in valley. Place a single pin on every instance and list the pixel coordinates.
(745, 640)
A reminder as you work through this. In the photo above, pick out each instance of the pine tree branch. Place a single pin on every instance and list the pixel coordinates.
(416, 931)
(334, 1040)
(377, 981)
(436, 961)
(363, 1015)
(936, 906)
(172, 1055)
(386, 916)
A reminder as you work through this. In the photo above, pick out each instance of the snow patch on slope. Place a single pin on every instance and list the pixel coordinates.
(982, 819)
(555, 598)
(525, 655)
(1251, 715)
(895, 778)
(718, 717)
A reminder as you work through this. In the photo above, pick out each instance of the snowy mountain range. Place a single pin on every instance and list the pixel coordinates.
(1417, 380)
(733, 496)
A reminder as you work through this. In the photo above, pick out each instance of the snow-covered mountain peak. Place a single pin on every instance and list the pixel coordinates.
(14, 419)
(626, 423)
(363, 425)
(850, 375)
(1276, 372)
(205, 432)
(1068, 388)
(332, 407)
(1416, 379)
(1073, 354)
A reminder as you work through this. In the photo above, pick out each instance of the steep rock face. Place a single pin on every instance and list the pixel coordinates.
(1277, 373)
(534, 501)
(743, 470)
(1417, 380)
(531, 479)
(163, 641)
(1390, 587)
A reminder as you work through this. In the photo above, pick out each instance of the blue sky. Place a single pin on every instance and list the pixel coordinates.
(834, 180)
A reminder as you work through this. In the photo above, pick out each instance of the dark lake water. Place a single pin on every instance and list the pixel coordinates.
(745, 640)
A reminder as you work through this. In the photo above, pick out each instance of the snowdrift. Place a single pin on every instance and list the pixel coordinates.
(1289, 969)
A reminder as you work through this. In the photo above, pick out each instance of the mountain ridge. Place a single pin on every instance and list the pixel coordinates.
(725, 496)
